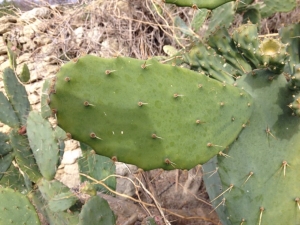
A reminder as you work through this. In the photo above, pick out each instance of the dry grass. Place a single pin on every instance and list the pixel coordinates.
(116, 27)
(131, 28)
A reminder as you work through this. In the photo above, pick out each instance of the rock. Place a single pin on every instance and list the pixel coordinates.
(79, 32)
(41, 70)
(3, 58)
(5, 129)
(3, 48)
(47, 50)
(26, 57)
(123, 169)
(42, 40)
(70, 157)
(39, 26)
(71, 145)
(28, 31)
(4, 65)
(41, 13)
(6, 27)
(96, 34)
(109, 47)
(24, 39)
(70, 177)
(8, 19)
(124, 186)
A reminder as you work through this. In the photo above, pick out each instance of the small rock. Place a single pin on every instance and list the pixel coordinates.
(42, 40)
(125, 169)
(3, 58)
(42, 13)
(28, 31)
(4, 65)
(48, 49)
(24, 39)
(70, 157)
(8, 19)
(39, 26)
(5, 129)
(26, 57)
(71, 145)
(3, 48)
(6, 27)
(124, 186)
(70, 177)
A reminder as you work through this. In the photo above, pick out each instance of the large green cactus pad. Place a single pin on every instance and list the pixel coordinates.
(16, 208)
(146, 113)
(261, 180)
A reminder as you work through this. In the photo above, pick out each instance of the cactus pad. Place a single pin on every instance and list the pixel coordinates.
(98, 167)
(45, 109)
(16, 94)
(146, 113)
(16, 208)
(96, 211)
(57, 196)
(260, 182)
(24, 155)
(5, 163)
(7, 114)
(5, 147)
(25, 74)
(43, 144)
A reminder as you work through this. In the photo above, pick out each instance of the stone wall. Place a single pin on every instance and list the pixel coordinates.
(44, 39)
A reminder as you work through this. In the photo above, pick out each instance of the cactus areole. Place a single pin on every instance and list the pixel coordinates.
(129, 110)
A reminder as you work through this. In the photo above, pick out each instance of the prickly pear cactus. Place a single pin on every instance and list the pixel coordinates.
(58, 196)
(43, 144)
(261, 178)
(16, 208)
(28, 163)
(146, 113)
(96, 211)
(98, 167)
(259, 183)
